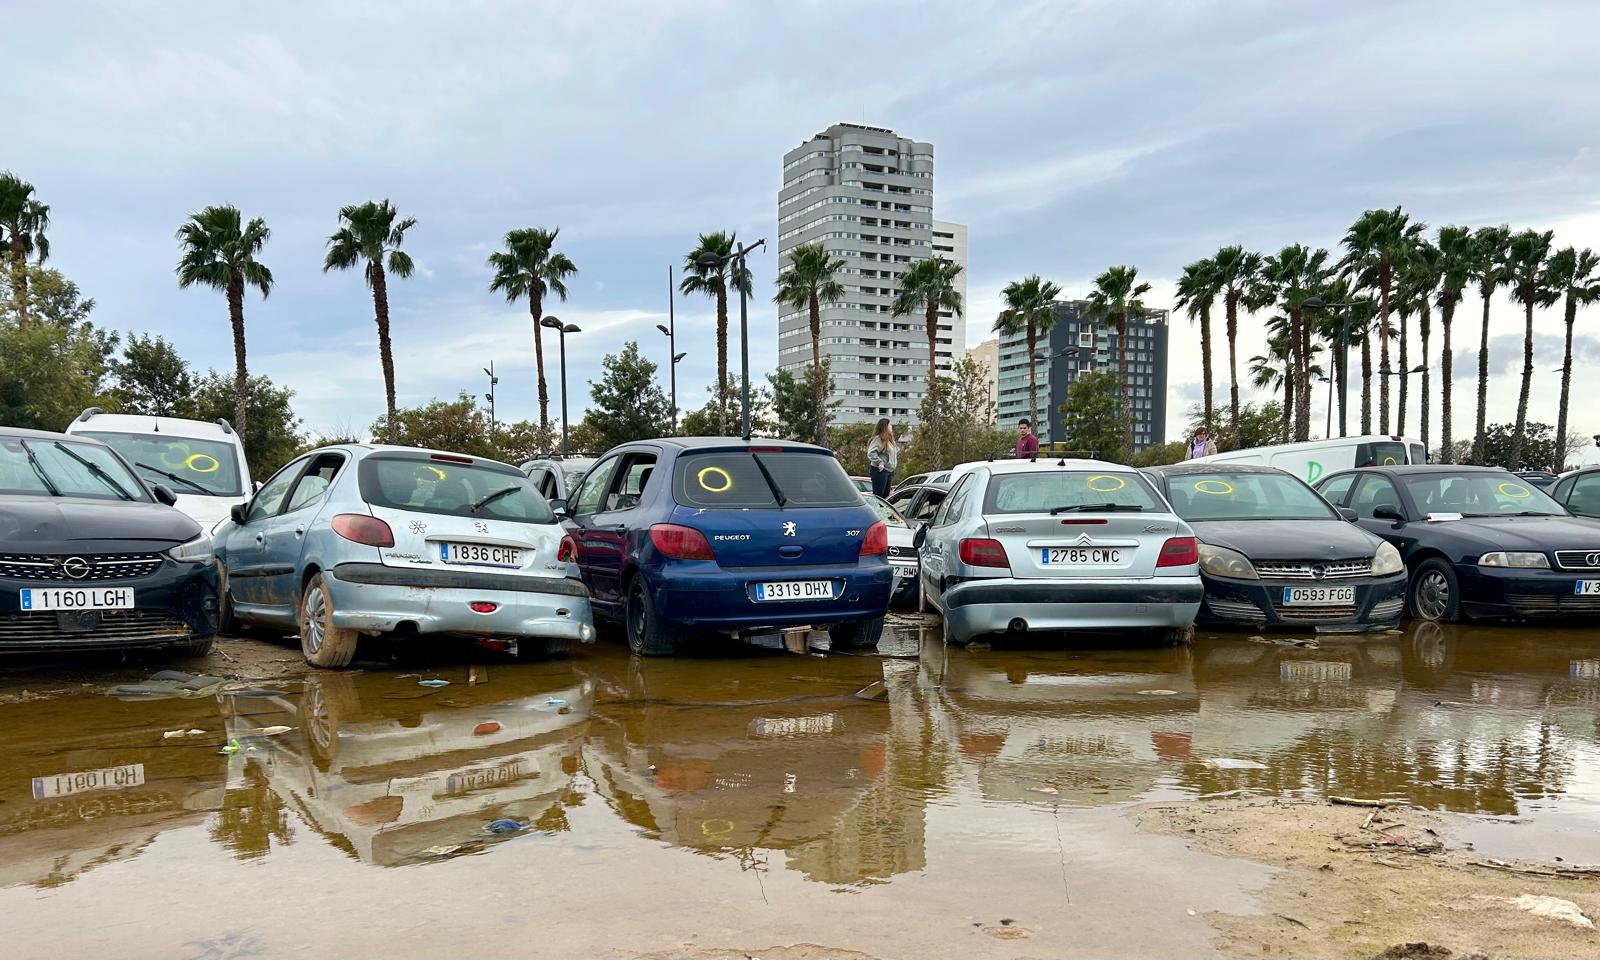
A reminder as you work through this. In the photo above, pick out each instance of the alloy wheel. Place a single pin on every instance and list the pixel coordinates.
(1433, 595)
(316, 610)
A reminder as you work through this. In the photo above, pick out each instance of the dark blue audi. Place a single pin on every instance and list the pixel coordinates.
(708, 534)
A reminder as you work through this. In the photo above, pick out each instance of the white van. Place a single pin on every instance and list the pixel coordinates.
(1314, 459)
(203, 463)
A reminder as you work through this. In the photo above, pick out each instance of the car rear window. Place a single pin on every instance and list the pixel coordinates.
(735, 479)
(1040, 491)
(1381, 454)
(426, 484)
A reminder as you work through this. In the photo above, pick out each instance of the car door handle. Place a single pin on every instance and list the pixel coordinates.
(261, 538)
(300, 531)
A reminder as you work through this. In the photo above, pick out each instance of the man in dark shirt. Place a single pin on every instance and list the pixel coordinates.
(1027, 443)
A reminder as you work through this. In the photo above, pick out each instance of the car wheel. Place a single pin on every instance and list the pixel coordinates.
(1435, 593)
(327, 701)
(196, 648)
(227, 624)
(860, 633)
(323, 644)
(647, 635)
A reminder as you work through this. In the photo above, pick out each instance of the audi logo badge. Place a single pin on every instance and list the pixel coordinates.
(1593, 559)
(75, 568)
(1318, 571)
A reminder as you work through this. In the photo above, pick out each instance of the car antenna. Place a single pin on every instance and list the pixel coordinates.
(1062, 462)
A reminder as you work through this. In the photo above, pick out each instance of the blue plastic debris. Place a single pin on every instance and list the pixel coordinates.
(505, 826)
(554, 702)
(433, 683)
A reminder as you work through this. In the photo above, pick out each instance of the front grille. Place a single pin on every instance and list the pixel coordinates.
(1546, 603)
(1316, 614)
(100, 566)
(1304, 569)
(1578, 559)
(115, 625)
(1384, 609)
(1242, 610)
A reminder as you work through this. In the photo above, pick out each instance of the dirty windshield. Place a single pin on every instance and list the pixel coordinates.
(187, 465)
(1245, 496)
(64, 468)
(1043, 491)
(756, 479)
(473, 489)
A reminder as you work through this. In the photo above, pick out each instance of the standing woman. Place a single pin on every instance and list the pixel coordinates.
(883, 454)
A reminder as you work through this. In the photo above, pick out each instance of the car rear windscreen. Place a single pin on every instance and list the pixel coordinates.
(1384, 453)
(406, 481)
(735, 478)
(1041, 491)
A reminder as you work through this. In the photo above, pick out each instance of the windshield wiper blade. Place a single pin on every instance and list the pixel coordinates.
(492, 497)
(777, 491)
(171, 476)
(1099, 508)
(95, 469)
(38, 468)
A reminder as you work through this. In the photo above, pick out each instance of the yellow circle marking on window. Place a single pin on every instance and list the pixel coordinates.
(1096, 483)
(1515, 491)
(437, 472)
(717, 827)
(1390, 462)
(202, 463)
(1216, 488)
(727, 480)
(174, 450)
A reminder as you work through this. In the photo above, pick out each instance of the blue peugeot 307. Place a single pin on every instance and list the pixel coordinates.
(738, 537)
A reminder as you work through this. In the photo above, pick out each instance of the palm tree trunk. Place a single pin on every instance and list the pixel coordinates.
(380, 307)
(241, 374)
(1366, 385)
(816, 367)
(1342, 368)
(722, 356)
(1480, 437)
(1285, 429)
(1447, 315)
(536, 310)
(1033, 382)
(19, 278)
(1232, 306)
(1383, 349)
(1122, 378)
(1302, 410)
(932, 322)
(1400, 412)
(1566, 385)
(1205, 368)
(1424, 321)
(1522, 398)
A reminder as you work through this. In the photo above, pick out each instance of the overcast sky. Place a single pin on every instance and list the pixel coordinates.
(1068, 136)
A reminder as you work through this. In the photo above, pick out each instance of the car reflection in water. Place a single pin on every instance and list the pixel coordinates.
(778, 755)
(395, 773)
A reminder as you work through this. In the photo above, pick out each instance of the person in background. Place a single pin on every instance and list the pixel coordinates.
(1201, 445)
(1027, 443)
(883, 455)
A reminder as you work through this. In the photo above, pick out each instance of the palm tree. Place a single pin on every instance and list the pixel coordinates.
(530, 267)
(804, 285)
(1274, 369)
(1197, 294)
(1116, 294)
(714, 281)
(930, 285)
(1530, 286)
(218, 249)
(1236, 273)
(1489, 270)
(1457, 256)
(1292, 276)
(1574, 275)
(1030, 308)
(23, 221)
(367, 233)
(1419, 277)
(1374, 247)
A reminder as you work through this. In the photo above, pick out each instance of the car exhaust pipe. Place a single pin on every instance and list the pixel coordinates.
(1019, 625)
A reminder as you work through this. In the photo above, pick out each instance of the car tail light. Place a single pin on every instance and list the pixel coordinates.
(876, 542)
(568, 551)
(766, 449)
(1179, 552)
(451, 458)
(679, 542)
(483, 606)
(982, 552)
(360, 528)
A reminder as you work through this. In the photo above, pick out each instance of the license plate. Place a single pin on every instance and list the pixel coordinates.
(795, 590)
(77, 598)
(479, 555)
(1586, 588)
(109, 778)
(478, 778)
(1080, 556)
(904, 569)
(1318, 596)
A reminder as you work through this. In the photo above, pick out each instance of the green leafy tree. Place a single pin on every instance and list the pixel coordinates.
(1295, 274)
(1533, 447)
(715, 282)
(23, 222)
(628, 403)
(219, 250)
(1456, 263)
(1573, 275)
(1259, 425)
(1160, 454)
(1530, 286)
(272, 432)
(1490, 246)
(152, 378)
(53, 364)
(962, 407)
(848, 441)
(794, 401)
(1096, 417)
(1237, 273)
(1375, 245)
(1029, 309)
(1273, 371)
(1198, 289)
(930, 286)
(369, 235)
(808, 282)
(529, 267)
(456, 426)
(1116, 297)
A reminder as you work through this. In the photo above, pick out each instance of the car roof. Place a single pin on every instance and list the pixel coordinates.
(731, 443)
(1053, 463)
(1180, 469)
(23, 433)
(93, 419)
(1418, 469)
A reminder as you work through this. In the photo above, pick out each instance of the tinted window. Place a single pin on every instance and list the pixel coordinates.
(1040, 491)
(1418, 455)
(1245, 496)
(1583, 496)
(735, 479)
(1374, 492)
(418, 482)
(201, 467)
(587, 499)
(1479, 494)
(1335, 490)
(1382, 454)
(65, 468)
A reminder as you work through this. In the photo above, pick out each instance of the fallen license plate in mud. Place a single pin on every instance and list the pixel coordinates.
(479, 778)
(795, 590)
(1318, 596)
(108, 778)
(793, 726)
(479, 555)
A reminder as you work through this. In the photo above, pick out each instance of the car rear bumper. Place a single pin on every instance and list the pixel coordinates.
(991, 606)
(373, 598)
(1258, 604)
(1490, 593)
(175, 604)
(702, 595)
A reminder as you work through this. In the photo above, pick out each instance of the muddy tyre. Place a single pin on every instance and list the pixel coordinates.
(195, 648)
(227, 624)
(647, 635)
(322, 643)
(861, 633)
(1435, 594)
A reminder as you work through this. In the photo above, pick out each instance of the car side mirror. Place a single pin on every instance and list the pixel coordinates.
(920, 537)
(164, 494)
(255, 487)
(239, 512)
(1388, 511)
(559, 506)
(1348, 514)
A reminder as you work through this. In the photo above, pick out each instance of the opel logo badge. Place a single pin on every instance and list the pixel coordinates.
(1593, 559)
(75, 568)
(1318, 571)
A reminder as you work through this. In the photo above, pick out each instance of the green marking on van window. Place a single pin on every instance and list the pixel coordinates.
(1313, 471)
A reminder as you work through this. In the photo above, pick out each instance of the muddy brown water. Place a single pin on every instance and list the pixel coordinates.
(750, 797)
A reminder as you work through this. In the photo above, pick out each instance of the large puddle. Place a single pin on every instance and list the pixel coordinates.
(897, 802)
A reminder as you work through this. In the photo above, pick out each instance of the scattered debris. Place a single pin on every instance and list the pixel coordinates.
(1288, 919)
(1052, 791)
(177, 734)
(554, 702)
(1008, 933)
(1563, 871)
(1234, 763)
(442, 851)
(168, 684)
(504, 826)
(433, 683)
(234, 746)
(1308, 643)
(1358, 802)
(1553, 908)
(1158, 693)
(273, 730)
(873, 691)
(1414, 951)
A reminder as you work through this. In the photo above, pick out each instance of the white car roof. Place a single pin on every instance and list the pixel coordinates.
(172, 426)
(1046, 464)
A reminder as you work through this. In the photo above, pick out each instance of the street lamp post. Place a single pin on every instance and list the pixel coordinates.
(563, 329)
(671, 330)
(1033, 414)
(710, 260)
(493, 382)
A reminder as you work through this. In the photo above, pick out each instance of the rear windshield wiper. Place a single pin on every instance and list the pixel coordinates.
(777, 491)
(95, 469)
(44, 478)
(489, 498)
(1099, 508)
(171, 476)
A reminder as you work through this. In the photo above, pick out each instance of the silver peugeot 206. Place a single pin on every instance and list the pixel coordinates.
(1059, 545)
(362, 539)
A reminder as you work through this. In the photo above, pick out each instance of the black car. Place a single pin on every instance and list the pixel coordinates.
(1479, 541)
(90, 557)
(1275, 554)
(1579, 492)
(1539, 478)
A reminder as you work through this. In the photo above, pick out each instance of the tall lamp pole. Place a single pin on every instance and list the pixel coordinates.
(671, 330)
(563, 329)
(711, 260)
(493, 382)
